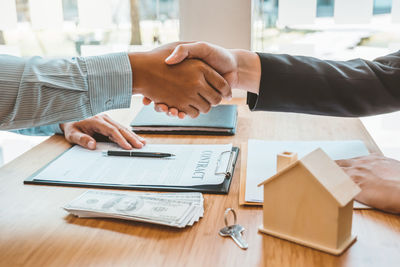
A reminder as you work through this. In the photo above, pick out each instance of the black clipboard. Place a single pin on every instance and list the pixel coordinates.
(222, 188)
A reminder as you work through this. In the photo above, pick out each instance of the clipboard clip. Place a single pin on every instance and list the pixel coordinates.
(229, 168)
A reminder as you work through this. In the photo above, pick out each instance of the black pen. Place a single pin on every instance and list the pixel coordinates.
(137, 154)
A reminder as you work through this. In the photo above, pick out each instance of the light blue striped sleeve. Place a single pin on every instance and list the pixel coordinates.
(38, 91)
(45, 130)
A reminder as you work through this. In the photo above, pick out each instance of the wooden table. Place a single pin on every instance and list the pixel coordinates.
(35, 230)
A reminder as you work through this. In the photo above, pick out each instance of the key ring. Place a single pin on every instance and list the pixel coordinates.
(226, 216)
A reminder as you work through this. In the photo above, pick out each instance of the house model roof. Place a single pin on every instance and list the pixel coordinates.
(327, 173)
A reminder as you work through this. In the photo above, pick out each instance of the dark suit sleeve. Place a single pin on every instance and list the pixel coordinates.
(337, 88)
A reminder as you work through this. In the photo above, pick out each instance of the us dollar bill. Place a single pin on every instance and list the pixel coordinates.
(130, 205)
(172, 209)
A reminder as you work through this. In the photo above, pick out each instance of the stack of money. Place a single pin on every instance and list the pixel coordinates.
(172, 209)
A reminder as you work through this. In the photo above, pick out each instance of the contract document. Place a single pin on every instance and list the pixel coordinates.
(192, 165)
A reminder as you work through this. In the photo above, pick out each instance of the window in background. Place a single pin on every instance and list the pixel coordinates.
(325, 8)
(326, 38)
(113, 24)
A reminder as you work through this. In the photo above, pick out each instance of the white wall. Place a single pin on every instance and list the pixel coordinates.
(223, 22)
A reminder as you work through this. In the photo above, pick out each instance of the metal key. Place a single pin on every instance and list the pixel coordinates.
(234, 231)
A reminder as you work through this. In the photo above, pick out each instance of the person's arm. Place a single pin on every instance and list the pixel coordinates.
(45, 130)
(303, 84)
(337, 88)
(37, 91)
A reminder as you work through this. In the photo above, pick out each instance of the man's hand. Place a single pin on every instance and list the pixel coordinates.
(379, 179)
(81, 132)
(240, 68)
(220, 59)
(191, 86)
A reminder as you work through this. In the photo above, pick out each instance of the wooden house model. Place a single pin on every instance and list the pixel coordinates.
(310, 202)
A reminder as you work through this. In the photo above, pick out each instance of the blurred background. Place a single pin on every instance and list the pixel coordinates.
(328, 29)
(67, 27)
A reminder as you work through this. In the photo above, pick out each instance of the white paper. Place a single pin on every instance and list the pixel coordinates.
(95, 14)
(296, 12)
(46, 14)
(353, 11)
(8, 15)
(193, 165)
(261, 158)
(396, 11)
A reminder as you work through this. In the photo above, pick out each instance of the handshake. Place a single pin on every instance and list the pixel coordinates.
(189, 78)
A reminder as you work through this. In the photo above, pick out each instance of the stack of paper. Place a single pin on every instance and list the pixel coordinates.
(261, 160)
(171, 209)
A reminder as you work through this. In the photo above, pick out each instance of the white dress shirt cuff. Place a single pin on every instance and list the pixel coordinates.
(109, 81)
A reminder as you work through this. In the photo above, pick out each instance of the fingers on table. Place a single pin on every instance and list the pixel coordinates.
(82, 139)
(344, 162)
(121, 135)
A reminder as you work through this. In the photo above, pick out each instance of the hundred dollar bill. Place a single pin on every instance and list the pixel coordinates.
(195, 197)
(131, 206)
(90, 214)
(89, 205)
(194, 213)
(94, 214)
(177, 194)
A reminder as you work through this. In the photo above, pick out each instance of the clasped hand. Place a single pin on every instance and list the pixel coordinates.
(191, 86)
(221, 60)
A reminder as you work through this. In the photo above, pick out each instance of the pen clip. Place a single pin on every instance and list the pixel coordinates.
(229, 167)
